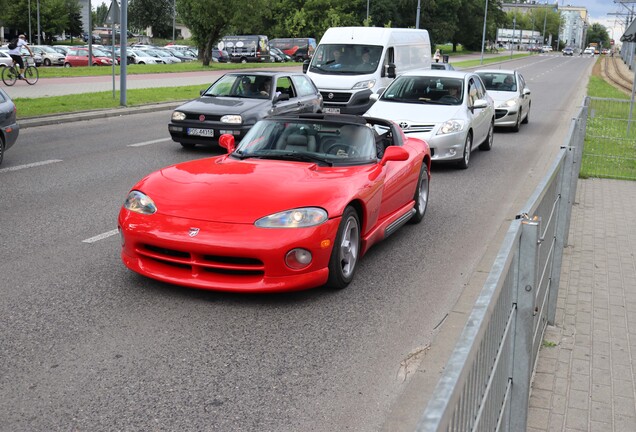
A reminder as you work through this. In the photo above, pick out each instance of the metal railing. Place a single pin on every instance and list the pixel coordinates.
(486, 382)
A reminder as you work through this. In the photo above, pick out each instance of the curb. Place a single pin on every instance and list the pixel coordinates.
(90, 115)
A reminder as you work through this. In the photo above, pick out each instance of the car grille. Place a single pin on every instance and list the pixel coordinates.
(499, 113)
(335, 97)
(197, 263)
(208, 117)
(418, 128)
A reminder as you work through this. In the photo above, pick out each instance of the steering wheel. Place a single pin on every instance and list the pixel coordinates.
(450, 99)
(336, 148)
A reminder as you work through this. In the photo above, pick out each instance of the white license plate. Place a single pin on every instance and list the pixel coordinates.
(201, 132)
(331, 110)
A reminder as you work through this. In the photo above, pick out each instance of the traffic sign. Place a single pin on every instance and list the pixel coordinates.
(113, 13)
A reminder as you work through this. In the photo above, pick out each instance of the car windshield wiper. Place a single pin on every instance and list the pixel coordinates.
(302, 157)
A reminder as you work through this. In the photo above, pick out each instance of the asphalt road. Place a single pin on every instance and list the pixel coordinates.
(87, 345)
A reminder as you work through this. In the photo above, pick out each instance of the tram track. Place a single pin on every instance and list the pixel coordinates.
(616, 75)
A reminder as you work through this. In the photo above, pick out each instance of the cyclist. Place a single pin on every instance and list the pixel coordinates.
(16, 54)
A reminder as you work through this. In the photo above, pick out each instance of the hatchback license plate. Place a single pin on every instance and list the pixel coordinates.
(331, 110)
(201, 132)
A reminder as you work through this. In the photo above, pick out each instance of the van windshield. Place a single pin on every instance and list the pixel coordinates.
(346, 59)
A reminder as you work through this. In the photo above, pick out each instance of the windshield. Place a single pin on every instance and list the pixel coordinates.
(346, 59)
(242, 85)
(48, 49)
(100, 53)
(425, 90)
(496, 81)
(322, 142)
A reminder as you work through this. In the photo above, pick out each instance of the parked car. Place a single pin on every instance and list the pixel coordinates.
(5, 59)
(275, 58)
(511, 94)
(589, 51)
(184, 56)
(281, 56)
(546, 49)
(567, 51)
(50, 56)
(79, 57)
(158, 55)
(442, 66)
(450, 110)
(141, 57)
(30, 60)
(220, 56)
(9, 128)
(294, 206)
(236, 101)
(62, 49)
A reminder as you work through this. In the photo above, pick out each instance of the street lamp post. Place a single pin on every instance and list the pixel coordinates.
(30, 40)
(545, 19)
(39, 32)
(368, 12)
(483, 34)
(417, 17)
(174, 17)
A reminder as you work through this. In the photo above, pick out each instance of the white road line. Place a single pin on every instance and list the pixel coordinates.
(31, 165)
(101, 236)
(145, 143)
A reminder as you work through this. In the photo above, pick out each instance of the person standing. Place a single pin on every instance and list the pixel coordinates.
(16, 54)
(436, 56)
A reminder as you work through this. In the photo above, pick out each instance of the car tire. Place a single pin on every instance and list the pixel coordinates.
(487, 144)
(527, 118)
(243, 60)
(346, 250)
(141, 62)
(517, 125)
(47, 62)
(465, 160)
(67, 65)
(421, 195)
(187, 145)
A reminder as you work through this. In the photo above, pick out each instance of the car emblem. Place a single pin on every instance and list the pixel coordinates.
(330, 95)
(404, 125)
(193, 232)
(201, 117)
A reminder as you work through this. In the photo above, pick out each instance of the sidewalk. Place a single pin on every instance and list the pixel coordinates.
(585, 378)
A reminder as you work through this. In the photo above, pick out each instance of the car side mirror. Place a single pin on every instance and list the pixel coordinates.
(390, 70)
(480, 104)
(305, 66)
(394, 153)
(526, 91)
(227, 142)
(374, 97)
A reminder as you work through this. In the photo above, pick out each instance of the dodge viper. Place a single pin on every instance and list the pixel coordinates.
(294, 205)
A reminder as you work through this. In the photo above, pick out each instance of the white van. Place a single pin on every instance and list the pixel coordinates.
(351, 63)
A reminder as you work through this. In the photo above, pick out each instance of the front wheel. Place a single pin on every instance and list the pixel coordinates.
(527, 118)
(31, 75)
(463, 163)
(487, 144)
(9, 76)
(517, 125)
(421, 195)
(47, 62)
(346, 250)
(67, 65)
(243, 60)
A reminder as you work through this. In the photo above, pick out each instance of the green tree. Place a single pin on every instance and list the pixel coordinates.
(151, 13)
(598, 33)
(99, 15)
(55, 16)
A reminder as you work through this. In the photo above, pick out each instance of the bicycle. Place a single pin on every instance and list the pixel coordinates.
(10, 74)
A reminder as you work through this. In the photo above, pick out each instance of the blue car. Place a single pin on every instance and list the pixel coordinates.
(9, 128)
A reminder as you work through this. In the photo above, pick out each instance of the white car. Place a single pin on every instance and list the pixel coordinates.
(142, 57)
(450, 110)
(511, 94)
(50, 56)
(5, 59)
(159, 54)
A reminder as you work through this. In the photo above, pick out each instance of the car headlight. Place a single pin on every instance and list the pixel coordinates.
(234, 119)
(451, 126)
(178, 116)
(510, 103)
(364, 85)
(104, 61)
(139, 202)
(295, 218)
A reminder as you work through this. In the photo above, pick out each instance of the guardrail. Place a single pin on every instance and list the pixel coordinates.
(486, 382)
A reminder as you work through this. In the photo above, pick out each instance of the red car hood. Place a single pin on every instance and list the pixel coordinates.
(223, 189)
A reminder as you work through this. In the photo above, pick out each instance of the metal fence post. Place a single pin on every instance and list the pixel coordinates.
(524, 324)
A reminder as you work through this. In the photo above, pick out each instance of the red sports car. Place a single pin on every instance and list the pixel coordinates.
(294, 206)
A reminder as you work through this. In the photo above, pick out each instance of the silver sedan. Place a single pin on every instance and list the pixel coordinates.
(511, 94)
(450, 110)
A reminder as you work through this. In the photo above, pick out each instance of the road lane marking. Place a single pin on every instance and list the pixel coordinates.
(101, 236)
(31, 165)
(145, 143)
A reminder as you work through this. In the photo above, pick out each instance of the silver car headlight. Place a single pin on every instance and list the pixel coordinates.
(178, 116)
(363, 85)
(510, 103)
(451, 126)
(139, 202)
(234, 119)
(295, 218)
